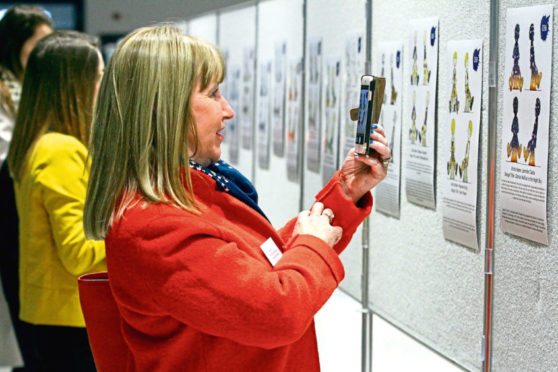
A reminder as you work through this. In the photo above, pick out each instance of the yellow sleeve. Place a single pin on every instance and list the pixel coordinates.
(64, 181)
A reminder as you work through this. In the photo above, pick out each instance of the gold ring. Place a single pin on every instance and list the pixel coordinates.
(385, 162)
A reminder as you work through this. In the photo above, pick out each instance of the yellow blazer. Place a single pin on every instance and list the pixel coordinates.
(53, 250)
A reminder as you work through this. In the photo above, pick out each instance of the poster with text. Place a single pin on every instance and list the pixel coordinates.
(331, 104)
(389, 64)
(246, 116)
(294, 118)
(420, 139)
(232, 134)
(313, 130)
(279, 82)
(353, 70)
(525, 133)
(264, 117)
(459, 182)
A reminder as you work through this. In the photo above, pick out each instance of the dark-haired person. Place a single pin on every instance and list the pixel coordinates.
(20, 29)
(48, 162)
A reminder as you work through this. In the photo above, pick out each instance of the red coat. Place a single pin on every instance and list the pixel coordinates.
(196, 293)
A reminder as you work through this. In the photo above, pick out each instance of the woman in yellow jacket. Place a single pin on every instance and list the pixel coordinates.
(48, 161)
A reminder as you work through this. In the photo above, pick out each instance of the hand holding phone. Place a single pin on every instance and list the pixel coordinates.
(370, 106)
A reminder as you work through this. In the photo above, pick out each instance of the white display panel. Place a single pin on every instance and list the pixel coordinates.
(280, 23)
(237, 34)
(204, 27)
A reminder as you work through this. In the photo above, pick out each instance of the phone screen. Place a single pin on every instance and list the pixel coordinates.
(362, 115)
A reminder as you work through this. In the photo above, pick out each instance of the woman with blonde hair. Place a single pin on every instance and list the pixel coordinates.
(48, 162)
(202, 280)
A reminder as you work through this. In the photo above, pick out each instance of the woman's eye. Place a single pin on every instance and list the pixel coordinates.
(215, 93)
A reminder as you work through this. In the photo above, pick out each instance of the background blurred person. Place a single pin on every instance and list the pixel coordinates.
(20, 29)
(48, 161)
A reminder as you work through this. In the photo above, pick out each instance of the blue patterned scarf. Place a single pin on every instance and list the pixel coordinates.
(232, 182)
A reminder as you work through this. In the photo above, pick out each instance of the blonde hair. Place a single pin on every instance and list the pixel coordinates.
(57, 93)
(143, 123)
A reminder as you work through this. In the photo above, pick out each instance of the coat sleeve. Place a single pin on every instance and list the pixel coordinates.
(347, 214)
(196, 277)
(63, 178)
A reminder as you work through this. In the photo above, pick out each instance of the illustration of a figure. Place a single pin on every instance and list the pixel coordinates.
(529, 150)
(422, 134)
(514, 148)
(426, 77)
(382, 74)
(413, 131)
(392, 136)
(454, 102)
(393, 91)
(468, 97)
(452, 164)
(536, 76)
(516, 80)
(465, 162)
(414, 74)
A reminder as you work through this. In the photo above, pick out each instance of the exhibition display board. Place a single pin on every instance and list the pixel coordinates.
(428, 260)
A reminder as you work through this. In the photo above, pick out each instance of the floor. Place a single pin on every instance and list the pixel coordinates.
(338, 326)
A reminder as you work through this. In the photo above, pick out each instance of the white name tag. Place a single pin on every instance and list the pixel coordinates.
(271, 251)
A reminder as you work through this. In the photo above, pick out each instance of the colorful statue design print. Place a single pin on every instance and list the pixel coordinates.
(413, 133)
(392, 136)
(414, 74)
(393, 91)
(454, 102)
(426, 77)
(452, 164)
(514, 147)
(465, 162)
(422, 134)
(529, 150)
(468, 97)
(536, 76)
(516, 80)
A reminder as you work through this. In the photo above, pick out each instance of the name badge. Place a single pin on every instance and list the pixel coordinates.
(271, 251)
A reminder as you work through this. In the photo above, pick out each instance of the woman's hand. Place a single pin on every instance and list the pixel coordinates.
(360, 173)
(317, 222)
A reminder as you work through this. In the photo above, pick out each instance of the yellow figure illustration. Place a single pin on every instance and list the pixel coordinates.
(452, 164)
(413, 131)
(453, 102)
(465, 162)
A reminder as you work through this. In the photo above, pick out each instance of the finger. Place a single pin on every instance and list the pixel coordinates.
(329, 213)
(382, 149)
(317, 209)
(338, 233)
(304, 214)
(377, 128)
(377, 137)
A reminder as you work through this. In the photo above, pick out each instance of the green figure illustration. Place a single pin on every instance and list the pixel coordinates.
(454, 102)
(468, 97)
(422, 134)
(465, 163)
(452, 164)
(426, 77)
(413, 131)
(414, 74)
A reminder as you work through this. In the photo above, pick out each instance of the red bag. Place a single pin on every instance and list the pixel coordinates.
(103, 323)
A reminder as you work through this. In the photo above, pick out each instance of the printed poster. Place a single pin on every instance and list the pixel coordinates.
(264, 116)
(387, 194)
(246, 116)
(420, 136)
(293, 118)
(331, 104)
(526, 107)
(232, 134)
(313, 131)
(279, 83)
(354, 69)
(462, 127)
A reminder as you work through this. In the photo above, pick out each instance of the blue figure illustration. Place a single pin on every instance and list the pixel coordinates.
(514, 147)
(536, 76)
(529, 150)
(516, 80)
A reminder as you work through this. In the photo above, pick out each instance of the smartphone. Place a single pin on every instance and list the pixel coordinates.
(370, 106)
